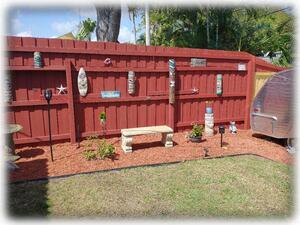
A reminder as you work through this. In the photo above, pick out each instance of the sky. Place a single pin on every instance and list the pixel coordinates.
(53, 22)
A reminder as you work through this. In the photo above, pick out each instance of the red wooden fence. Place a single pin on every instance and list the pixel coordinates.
(147, 107)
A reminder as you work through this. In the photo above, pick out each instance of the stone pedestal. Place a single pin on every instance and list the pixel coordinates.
(209, 124)
(126, 144)
(167, 139)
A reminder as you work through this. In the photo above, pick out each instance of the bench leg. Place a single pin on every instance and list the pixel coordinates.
(167, 139)
(126, 144)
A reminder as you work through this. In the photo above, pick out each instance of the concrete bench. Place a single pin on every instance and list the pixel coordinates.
(127, 134)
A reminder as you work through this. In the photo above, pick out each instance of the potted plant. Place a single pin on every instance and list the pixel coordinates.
(196, 133)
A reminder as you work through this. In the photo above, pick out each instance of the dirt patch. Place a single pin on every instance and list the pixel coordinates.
(35, 162)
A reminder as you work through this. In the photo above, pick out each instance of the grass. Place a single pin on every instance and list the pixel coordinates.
(245, 186)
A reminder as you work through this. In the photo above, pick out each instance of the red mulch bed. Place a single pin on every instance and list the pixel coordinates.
(35, 162)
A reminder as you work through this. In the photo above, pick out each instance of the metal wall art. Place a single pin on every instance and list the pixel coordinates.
(82, 82)
(131, 82)
(172, 66)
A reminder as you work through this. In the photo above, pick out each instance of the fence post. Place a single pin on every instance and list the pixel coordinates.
(250, 90)
(71, 102)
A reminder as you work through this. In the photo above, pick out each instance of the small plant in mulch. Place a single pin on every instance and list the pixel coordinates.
(89, 154)
(96, 148)
(92, 137)
(105, 150)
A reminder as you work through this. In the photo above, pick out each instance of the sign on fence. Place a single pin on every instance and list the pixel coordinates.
(198, 62)
(110, 94)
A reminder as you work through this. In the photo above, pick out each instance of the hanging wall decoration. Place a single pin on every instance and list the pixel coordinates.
(219, 84)
(61, 90)
(241, 67)
(198, 62)
(131, 82)
(37, 59)
(172, 66)
(107, 61)
(7, 87)
(82, 82)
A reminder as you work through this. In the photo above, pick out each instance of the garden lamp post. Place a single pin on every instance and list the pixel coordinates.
(221, 131)
(48, 96)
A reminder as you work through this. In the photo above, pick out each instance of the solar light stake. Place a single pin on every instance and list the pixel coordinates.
(221, 131)
(48, 96)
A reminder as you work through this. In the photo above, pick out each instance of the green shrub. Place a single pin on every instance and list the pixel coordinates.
(105, 150)
(197, 130)
(89, 154)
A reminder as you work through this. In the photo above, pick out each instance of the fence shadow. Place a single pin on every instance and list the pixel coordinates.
(32, 152)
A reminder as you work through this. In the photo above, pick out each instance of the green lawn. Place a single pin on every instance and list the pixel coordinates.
(238, 186)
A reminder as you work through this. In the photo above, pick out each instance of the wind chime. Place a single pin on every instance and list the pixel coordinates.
(172, 66)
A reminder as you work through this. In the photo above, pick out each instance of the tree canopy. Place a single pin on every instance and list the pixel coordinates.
(254, 30)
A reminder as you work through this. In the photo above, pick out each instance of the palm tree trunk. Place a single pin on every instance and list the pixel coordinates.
(134, 26)
(108, 23)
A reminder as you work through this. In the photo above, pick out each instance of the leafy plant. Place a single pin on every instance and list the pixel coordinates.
(196, 131)
(86, 28)
(105, 150)
(102, 116)
(89, 154)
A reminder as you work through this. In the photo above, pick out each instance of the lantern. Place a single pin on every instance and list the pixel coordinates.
(222, 131)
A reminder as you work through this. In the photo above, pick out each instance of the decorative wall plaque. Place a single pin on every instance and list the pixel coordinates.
(198, 62)
(82, 82)
(241, 67)
(110, 94)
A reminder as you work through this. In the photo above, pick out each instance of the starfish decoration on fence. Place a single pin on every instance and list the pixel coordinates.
(61, 90)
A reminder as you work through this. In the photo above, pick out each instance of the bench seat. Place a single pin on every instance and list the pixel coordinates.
(127, 134)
